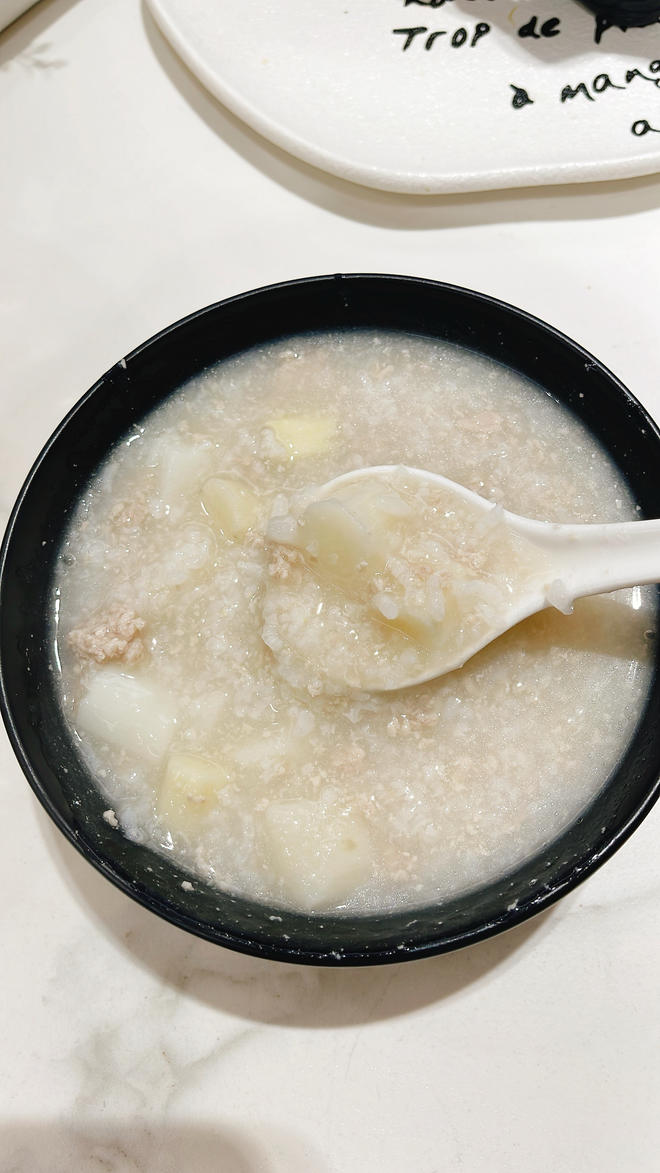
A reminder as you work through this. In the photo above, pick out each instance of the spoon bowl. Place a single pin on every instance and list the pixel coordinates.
(490, 569)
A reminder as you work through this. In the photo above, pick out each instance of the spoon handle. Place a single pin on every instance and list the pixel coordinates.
(594, 558)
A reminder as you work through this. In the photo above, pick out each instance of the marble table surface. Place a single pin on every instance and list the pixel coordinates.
(129, 197)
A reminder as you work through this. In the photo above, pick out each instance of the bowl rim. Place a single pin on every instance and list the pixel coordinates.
(289, 950)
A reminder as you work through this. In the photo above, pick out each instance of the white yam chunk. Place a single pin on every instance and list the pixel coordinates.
(337, 540)
(182, 466)
(189, 790)
(231, 505)
(127, 713)
(321, 856)
(304, 435)
(353, 531)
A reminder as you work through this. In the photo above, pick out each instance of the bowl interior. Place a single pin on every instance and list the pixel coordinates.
(41, 739)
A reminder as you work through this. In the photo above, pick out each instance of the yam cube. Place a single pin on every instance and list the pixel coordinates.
(231, 505)
(351, 534)
(304, 435)
(335, 540)
(127, 713)
(320, 855)
(189, 790)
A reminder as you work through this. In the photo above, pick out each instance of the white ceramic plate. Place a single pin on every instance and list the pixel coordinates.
(462, 104)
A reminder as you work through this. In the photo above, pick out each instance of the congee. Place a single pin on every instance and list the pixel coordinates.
(263, 774)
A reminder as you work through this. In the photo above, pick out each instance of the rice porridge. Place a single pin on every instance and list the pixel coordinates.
(279, 782)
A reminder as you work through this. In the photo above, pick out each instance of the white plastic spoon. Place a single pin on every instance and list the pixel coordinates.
(533, 565)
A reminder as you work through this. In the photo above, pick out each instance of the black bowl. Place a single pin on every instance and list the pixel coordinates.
(42, 741)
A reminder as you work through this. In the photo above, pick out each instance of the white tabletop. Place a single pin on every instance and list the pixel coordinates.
(129, 197)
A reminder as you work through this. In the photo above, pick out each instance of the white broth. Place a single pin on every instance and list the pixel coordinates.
(212, 747)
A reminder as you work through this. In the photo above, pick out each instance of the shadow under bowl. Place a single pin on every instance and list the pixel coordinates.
(43, 742)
